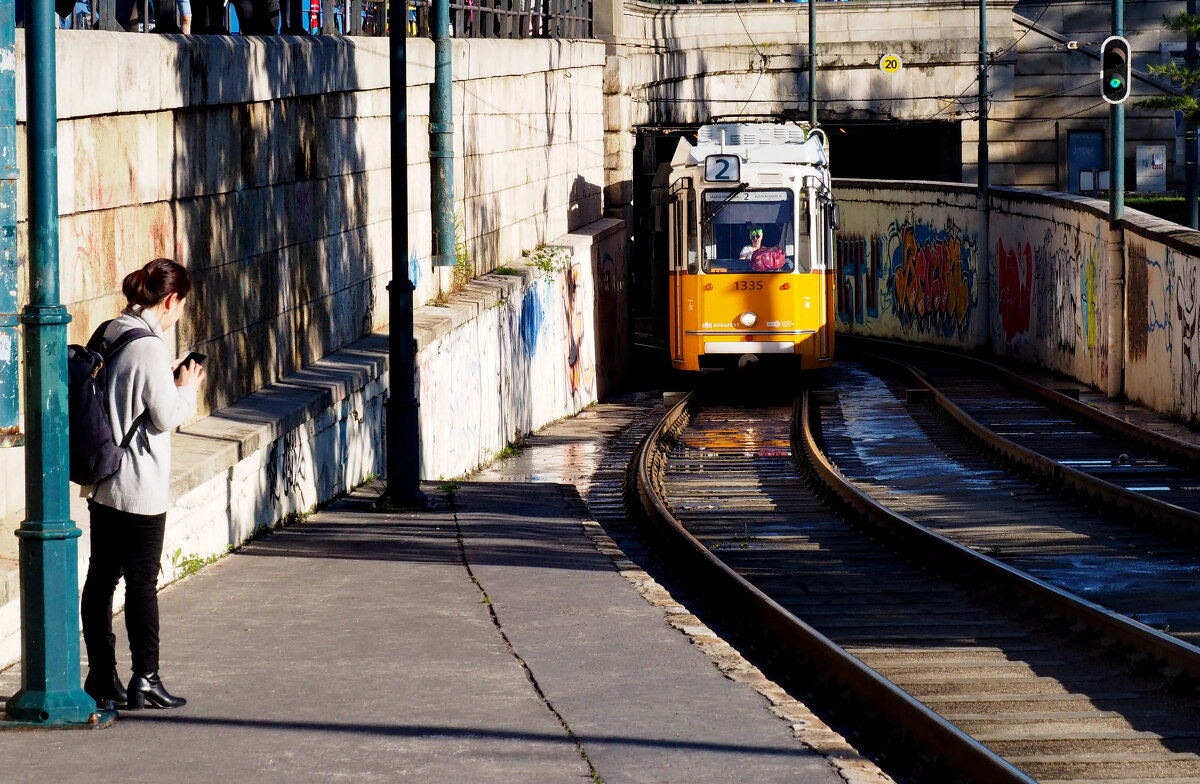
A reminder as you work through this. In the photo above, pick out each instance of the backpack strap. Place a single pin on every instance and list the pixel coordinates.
(123, 340)
(108, 352)
(133, 429)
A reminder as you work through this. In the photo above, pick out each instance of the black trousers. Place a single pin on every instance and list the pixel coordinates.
(126, 544)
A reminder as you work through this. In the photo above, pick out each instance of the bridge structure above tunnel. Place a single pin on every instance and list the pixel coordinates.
(672, 67)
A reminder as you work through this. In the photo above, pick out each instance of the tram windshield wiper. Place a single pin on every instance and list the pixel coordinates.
(717, 210)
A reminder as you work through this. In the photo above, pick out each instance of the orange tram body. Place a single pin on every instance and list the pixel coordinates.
(749, 218)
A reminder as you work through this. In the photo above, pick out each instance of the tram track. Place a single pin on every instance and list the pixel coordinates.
(974, 446)
(1043, 432)
(925, 633)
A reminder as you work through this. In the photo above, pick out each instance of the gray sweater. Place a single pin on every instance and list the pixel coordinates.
(140, 379)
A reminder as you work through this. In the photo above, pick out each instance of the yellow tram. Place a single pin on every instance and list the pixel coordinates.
(749, 218)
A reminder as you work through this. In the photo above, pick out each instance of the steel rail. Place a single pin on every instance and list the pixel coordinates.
(1182, 519)
(721, 585)
(1177, 655)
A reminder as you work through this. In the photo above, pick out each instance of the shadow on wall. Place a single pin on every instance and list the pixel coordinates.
(272, 209)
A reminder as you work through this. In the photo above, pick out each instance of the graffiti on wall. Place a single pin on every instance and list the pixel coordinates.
(1014, 279)
(932, 277)
(1057, 267)
(1090, 306)
(532, 316)
(860, 270)
(1137, 301)
(1187, 310)
(287, 473)
(581, 365)
(1150, 287)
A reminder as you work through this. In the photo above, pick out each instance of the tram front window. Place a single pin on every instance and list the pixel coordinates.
(749, 231)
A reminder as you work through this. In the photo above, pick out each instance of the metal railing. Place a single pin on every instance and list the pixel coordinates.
(508, 18)
(468, 18)
(728, 2)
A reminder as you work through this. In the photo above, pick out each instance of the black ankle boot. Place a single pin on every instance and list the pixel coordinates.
(148, 688)
(106, 689)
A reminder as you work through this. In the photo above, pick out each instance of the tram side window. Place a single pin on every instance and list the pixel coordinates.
(748, 231)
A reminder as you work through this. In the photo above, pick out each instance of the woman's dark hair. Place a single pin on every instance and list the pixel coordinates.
(152, 283)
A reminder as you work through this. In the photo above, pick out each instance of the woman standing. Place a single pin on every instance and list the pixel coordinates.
(129, 509)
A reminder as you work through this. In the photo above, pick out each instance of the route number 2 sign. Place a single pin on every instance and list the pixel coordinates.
(722, 168)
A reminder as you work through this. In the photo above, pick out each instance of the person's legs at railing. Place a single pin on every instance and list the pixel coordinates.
(164, 16)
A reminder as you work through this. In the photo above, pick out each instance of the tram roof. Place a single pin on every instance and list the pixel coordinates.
(759, 142)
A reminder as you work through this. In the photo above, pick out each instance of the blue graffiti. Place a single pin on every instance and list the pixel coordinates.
(532, 317)
(1163, 324)
(414, 268)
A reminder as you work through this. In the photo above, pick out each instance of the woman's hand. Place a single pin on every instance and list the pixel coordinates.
(188, 375)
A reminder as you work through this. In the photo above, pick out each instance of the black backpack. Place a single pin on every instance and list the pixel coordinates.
(94, 454)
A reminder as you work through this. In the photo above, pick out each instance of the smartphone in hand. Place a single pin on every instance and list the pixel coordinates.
(192, 357)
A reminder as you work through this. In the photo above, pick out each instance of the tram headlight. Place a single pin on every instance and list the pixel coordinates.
(748, 319)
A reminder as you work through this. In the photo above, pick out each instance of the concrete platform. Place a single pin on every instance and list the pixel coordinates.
(487, 640)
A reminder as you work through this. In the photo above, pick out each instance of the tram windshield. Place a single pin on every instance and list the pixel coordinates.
(749, 231)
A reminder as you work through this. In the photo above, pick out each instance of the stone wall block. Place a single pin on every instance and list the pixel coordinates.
(206, 231)
(88, 246)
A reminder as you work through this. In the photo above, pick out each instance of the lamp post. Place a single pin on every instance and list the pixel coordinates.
(403, 421)
(1116, 115)
(50, 694)
(1191, 144)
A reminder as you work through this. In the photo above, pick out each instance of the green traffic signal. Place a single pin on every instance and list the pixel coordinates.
(1115, 69)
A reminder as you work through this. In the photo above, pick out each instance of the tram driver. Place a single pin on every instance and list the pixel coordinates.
(756, 240)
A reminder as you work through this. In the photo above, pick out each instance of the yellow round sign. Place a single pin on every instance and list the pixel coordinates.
(890, 63)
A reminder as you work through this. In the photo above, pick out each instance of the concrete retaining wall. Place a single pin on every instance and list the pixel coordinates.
(515, 351)
(1116, 308)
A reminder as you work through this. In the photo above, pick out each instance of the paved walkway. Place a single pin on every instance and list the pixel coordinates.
(485, 641)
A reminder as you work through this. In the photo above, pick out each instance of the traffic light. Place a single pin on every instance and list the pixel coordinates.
(1114, 69)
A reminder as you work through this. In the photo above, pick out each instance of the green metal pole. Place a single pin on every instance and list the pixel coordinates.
(1116, 114)
(984, 178)
(441, 137)
(1191, 143)
(812, 63)
(50, 694)
(404, 426)
(10, 322)
(985, 174)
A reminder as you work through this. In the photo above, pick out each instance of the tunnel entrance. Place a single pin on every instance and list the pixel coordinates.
(868, 150)
(896, 150)
(653, 146)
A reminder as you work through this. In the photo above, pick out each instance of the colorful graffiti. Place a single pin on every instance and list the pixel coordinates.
(860, 271)
(851, 253)
(581, 366)
(1014, 279)
(932, 278)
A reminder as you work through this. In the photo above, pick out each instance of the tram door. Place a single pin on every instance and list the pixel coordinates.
(823, 247)
(678, 219)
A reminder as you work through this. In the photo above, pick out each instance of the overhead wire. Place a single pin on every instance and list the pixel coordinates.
(766, 60)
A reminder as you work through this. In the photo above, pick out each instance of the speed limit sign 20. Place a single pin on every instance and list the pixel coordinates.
(890, 63)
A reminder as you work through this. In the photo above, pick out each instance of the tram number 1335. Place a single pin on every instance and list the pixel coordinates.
(747, 285)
